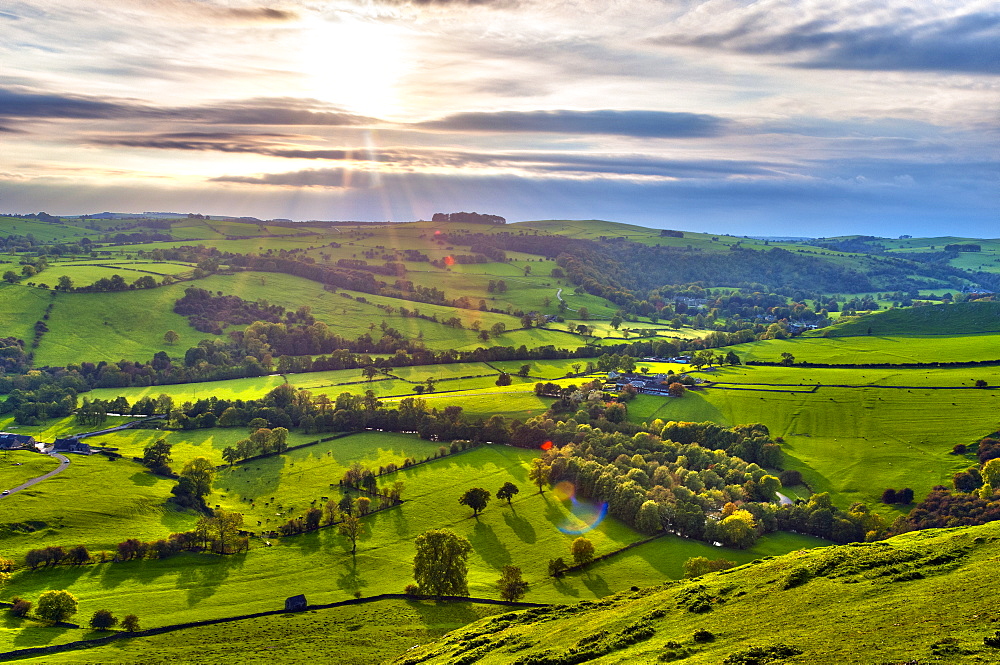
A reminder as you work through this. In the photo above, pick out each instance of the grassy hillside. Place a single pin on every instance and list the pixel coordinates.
(882, 348)
(956, 319)
(914, 598)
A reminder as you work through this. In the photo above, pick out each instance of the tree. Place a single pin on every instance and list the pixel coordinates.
(171, 337)
(557, 567)
(676, 389)
(511, 585)
(65, 283)
(583, 550)
(616, 321)
(200, 472)
(739, 530)
(583, 314)
(539, 473)
(991, 472)
(103, 620)
(475, 498)
(524, 371)
(504, 379)
(130, 623)
(440, 564)
(352, 528)
(156, 456)
(56, 605)
(369, 372)
(787, 359)
(10, 277)
(507, 492)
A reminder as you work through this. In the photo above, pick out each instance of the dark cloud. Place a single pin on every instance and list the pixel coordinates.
(968, 43)
(10, 130)
(259, 14)
(29, 104)
(647, 124)
(327, 178)
(15, 104)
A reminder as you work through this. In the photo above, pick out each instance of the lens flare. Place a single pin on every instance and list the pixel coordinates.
(546, 446)
(449, 260)
(584, 515)
(564, 491)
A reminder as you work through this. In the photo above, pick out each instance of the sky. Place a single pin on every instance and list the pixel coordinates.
(775, 117)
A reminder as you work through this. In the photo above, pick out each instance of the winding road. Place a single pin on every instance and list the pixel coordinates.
(559, 296)
(63, 463)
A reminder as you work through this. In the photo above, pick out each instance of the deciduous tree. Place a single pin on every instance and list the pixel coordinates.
(511, 585)
(56, 605)
(507, 492)
(583, 550)
(475, 498)
(440, 564)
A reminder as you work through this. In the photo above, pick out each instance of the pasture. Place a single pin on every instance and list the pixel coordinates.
(19, 466)
(893, 349)
(851, 442)
(190, 587)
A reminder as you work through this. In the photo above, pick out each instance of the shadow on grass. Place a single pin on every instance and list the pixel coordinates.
(143, 479)
(37, 634)
(441, 617)
(520, 526)
(487, 545)
(596, 584)
(349, 577)
(202, 578)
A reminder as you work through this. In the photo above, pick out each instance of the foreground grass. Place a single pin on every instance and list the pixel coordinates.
(914, 598)
(353, 635)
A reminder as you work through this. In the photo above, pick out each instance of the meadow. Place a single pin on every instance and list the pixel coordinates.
(19, 466)
(893, 349)
(189, 586)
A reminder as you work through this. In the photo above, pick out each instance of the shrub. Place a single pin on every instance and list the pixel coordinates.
(790, 477)
(103, 620)
(412, 590)
(761, 655)
(797, 577)
(992, 640)
(56, 605)
(20, 607)
(701, 636)
(130, 623)
(959, 449)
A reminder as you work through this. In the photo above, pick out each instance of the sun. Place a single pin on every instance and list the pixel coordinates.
(355, 63)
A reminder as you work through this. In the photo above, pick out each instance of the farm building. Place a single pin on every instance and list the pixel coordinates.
(10, 441)
(71, 444)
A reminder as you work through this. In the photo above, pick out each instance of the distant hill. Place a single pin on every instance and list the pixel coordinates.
(958, 319)
(913, 598)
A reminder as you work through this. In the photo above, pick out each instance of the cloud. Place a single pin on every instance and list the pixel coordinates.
(266, 111)
(14, 104)
(326, 178)
(646, 124)
(257, 13)
(890, 40)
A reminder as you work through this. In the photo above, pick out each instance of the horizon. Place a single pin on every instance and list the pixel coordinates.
(872, 118)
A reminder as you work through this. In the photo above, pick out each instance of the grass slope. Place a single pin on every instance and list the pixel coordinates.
(889, 602)
(956, 319)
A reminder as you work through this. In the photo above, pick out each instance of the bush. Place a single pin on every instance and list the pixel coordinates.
(959, 449)
(992, 640)
(790, 477)
(130, 623)
(412, 590)
(761, 655)
(701, 636)
(103, 620)
(20, 607)
(797, 577)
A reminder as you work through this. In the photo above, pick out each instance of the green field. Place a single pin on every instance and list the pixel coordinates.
(19, 466)
(893, 349)
(851, 442)
(352, 635)
(955, 319)
(188, 587)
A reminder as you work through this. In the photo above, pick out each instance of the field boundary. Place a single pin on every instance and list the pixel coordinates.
(159, 630)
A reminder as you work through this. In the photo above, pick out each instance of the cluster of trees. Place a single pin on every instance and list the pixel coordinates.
(210, 313)
(262, 441)
(466, 218)
(59, 605)
(688, 479)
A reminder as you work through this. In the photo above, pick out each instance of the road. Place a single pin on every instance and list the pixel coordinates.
(63, 463)
(559, 296)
